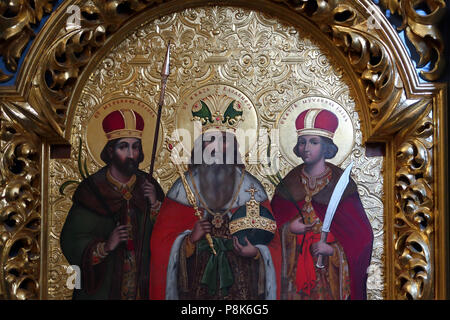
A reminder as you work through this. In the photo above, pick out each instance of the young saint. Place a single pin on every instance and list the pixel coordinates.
(309, 186)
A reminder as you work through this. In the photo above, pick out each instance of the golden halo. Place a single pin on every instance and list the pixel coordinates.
(218, 97)
(344, 137)
(96, 138)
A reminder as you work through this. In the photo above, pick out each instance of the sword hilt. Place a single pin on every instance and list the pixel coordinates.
(323, 239)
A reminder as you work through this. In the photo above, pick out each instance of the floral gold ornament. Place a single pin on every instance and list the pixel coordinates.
(422, 30)
(16, 21)
(414, 215)
(20, 214)
(334, 18)
(82, 170)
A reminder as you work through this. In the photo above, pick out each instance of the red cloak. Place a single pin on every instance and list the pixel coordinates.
(173, 219)
(350, 225)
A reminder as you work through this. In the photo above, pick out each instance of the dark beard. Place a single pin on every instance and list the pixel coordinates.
(217, 182)
(128, 167)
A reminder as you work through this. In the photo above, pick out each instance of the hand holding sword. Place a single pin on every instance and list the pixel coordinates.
(331, 209)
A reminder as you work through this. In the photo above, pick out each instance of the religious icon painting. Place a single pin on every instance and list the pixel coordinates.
(244, 174)
(299, 156)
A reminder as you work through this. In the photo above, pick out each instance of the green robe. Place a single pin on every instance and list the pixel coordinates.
(91, 220)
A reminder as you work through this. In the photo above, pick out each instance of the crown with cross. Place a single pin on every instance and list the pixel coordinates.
(253, 218)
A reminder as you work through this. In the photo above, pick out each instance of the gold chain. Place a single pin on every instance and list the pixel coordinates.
(319, 183)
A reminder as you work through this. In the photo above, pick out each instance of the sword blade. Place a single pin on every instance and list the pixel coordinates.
(336, 198)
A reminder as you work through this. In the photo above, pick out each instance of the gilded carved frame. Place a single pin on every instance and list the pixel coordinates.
(393, 105)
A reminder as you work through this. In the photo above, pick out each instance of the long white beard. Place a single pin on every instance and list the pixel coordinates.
(217, 183)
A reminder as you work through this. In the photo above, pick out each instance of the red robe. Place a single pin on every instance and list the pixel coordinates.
(350, 225)
(173, 219)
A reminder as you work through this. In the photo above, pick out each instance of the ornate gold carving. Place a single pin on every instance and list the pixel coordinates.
(61, 66)
(414, 217)
(19, 211)
(423, 32)
(344, 22)
(405, 113)
(25, 115)
(272, 63)
(16, 18)
(73, 49)
(367, 54)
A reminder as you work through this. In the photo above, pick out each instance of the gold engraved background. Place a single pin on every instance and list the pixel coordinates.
(272, 62)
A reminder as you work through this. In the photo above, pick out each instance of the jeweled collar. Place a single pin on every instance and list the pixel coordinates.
(315, 182)
(123, 188)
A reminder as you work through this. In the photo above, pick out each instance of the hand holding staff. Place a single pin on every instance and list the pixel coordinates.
(164, 75)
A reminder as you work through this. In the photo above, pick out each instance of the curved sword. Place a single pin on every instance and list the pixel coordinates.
(332, 206)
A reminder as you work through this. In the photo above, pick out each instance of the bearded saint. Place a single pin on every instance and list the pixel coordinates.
(182, 264)
(308, 187)
(107, 231)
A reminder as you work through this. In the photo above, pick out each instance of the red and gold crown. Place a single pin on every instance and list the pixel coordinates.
(318, 122)
(124, 123)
